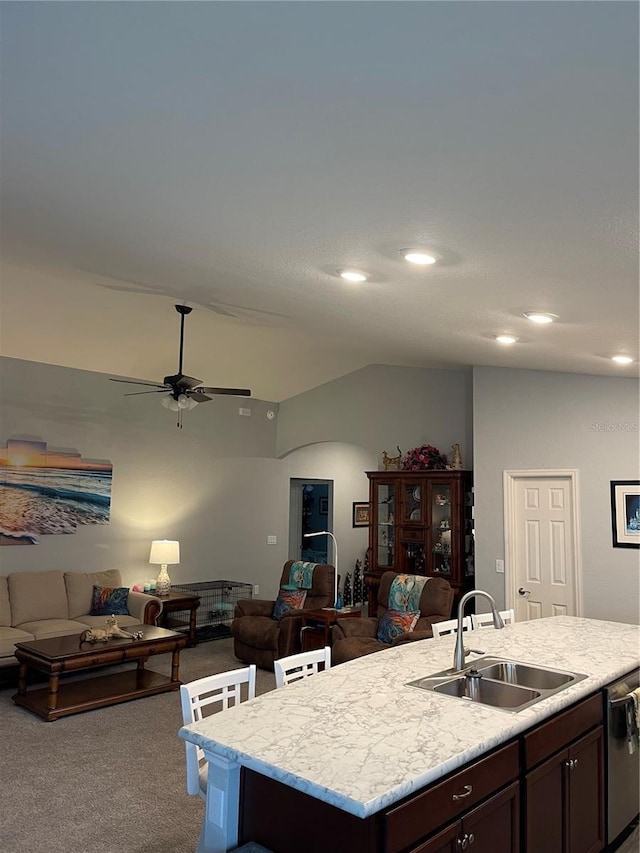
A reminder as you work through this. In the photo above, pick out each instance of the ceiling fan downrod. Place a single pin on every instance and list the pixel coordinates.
(183, 310)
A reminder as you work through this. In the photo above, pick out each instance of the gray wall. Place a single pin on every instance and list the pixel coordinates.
(218, 485)
(382, 406)
(221, 484)
(533, 419)
(214, 485)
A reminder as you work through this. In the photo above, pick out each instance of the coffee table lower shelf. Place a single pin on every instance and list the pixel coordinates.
(101, 691)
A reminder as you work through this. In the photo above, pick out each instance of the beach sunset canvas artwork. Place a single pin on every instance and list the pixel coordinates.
(45, 491)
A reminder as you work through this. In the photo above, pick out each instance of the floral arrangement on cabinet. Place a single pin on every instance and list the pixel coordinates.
(424, 458)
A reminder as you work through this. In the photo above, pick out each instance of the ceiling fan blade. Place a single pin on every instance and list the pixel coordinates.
(136, 393)
(139, 382)
(236, 392)
(198, 396)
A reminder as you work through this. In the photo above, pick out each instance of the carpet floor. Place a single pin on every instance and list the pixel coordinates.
(105, 781)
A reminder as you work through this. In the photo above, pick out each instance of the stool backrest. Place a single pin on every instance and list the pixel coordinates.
(296, 667)
(224, 689)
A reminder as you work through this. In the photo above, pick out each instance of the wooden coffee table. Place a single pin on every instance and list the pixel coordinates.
(67, 655)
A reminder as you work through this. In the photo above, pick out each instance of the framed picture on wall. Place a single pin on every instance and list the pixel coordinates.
(625, 513)
(323, 506)
(360, 514)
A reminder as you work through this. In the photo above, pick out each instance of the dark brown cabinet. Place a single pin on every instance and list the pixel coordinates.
(421, 523)
(489, 828)
(564, 794)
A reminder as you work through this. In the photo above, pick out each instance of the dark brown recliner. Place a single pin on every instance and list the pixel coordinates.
(353, 638)
(260, 639)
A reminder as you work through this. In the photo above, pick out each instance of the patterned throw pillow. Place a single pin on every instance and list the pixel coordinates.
(396, 622)
(289, 599)
(110, 601)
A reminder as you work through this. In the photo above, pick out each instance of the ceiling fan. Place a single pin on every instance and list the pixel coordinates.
(182, 392)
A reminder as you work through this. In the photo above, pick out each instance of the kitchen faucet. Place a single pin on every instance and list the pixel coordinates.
(458, 655)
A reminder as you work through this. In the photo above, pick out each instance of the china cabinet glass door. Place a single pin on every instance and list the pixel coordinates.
(412, 503)
(385, 520)
(441, 525)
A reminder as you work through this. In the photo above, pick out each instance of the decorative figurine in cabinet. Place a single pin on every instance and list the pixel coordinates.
(421, 524)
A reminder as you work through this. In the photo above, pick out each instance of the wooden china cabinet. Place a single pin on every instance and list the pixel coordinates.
(421, 524)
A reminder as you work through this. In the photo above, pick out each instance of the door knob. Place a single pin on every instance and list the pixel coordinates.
(523, 591)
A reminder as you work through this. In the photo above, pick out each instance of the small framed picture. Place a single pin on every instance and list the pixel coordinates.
(625, 513)
(323, 506)
(360, 514)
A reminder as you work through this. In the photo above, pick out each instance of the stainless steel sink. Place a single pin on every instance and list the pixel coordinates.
(525, 675)
(488, 692)
(502, 683)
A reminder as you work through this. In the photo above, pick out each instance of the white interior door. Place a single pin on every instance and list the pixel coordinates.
(542, 553)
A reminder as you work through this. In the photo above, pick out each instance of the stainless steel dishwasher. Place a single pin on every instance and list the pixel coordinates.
(623, 755)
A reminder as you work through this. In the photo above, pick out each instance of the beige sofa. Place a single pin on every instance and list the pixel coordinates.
(36, 605)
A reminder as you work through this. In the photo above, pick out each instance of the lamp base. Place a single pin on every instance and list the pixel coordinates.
(163, 582)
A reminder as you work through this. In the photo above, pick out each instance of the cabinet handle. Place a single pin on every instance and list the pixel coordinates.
(472, 838)
(463, 842)
(570, 763)
(467, 790)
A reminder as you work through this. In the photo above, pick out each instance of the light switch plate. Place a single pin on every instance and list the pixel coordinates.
(500, 567)
(272, 540)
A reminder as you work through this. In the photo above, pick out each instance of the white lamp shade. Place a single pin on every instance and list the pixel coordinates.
(165, 552)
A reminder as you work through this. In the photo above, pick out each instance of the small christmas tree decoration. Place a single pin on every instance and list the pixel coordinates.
(357, 583)
(347, 594)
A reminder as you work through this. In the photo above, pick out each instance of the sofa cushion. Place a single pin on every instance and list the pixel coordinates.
(109, 601)
(44, 628)
(396, 622)
(5, 607)
(80, 588)
(8, 638)
(37, 595)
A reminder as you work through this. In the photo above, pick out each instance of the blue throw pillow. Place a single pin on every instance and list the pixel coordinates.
(110, 601)
(396, 622)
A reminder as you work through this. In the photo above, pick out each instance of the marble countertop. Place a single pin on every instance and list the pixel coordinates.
(357, 737)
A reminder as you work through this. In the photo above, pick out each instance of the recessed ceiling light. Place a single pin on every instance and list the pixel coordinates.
(622, 359)
(415, 256)
(353, 275)
(540, 317)
(506, 339)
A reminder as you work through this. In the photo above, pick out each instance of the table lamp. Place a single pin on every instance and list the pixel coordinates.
(164, 552)
(335, 560)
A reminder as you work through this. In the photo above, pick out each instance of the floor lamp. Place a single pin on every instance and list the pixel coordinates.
(335, 560)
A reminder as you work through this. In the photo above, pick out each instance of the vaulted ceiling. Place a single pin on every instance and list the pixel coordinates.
(235, 155)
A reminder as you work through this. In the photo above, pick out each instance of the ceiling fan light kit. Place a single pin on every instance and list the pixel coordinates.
(182, 393)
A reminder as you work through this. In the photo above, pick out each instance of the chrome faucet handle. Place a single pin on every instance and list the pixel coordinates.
(468, 652)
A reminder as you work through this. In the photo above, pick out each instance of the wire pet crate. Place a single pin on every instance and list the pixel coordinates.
(217, 603)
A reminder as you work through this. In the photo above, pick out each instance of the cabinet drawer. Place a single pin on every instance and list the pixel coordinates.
(412, 535)
(425, 812)
(561, 730)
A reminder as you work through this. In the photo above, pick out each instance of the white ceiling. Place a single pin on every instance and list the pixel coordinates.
(235, 155)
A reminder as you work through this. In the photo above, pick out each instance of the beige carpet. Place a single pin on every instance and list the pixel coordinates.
(106, 781)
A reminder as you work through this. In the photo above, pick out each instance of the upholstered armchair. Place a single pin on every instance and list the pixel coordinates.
(353, 638)
(259, 638)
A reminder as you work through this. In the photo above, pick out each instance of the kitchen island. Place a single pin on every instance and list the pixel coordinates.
(359, 739)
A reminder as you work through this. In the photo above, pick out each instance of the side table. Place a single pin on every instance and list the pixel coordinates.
(175, 601)
(316, 626)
